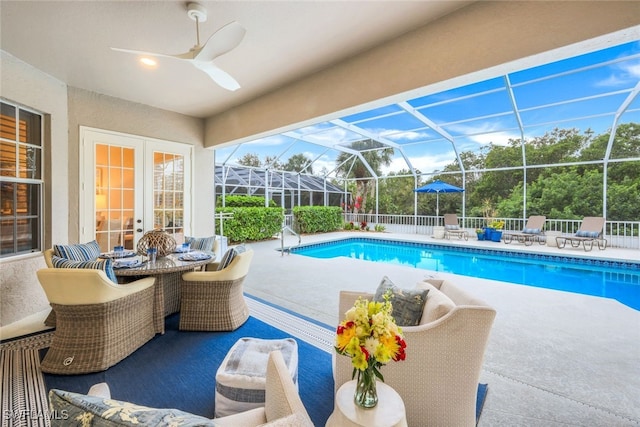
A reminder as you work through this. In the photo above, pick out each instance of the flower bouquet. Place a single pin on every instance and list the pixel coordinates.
(370, 337)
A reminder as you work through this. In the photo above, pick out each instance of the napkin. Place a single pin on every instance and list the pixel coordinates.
(194, 256)
(126, 263)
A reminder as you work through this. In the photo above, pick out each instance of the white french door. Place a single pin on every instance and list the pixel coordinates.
(131, 185)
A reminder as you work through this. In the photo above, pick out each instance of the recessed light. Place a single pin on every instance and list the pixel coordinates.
(149, 62)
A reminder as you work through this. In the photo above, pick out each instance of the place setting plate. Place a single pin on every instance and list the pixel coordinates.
(115, 255)
(194, 256)
(126, 262)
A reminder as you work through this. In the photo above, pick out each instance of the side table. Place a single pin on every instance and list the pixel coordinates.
(389, 412)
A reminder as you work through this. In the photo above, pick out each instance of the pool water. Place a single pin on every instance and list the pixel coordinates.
(617, 280)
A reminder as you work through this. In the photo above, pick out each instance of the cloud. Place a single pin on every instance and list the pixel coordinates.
(622, 74)
(424, 163)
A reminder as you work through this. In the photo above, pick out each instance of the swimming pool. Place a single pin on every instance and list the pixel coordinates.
(610, 279)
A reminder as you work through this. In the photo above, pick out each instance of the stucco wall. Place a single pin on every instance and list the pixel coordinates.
(105, 112)
(20, 292)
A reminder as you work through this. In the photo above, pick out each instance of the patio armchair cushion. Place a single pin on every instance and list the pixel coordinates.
(105, 265)
(408, 304)
(531, 231)
(78, 252)
(451, 227)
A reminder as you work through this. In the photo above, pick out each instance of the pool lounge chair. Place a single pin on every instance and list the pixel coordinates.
(451, 228)
(533, 231)
(590, 232)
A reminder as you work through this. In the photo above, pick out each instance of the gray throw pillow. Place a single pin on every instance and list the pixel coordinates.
(408, 304)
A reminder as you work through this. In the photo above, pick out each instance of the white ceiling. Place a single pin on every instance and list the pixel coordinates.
(285, 41)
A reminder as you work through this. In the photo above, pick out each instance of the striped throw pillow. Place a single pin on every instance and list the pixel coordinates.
(227, 258)
(105, 265)
(80, 252)
(201, 243)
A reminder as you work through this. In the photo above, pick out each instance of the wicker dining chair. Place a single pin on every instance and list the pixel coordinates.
(98, 322)
(213, 300)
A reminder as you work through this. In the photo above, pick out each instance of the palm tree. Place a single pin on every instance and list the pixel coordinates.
(351, 166)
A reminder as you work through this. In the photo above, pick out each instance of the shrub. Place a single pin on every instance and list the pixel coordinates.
(241, 201)
(314, 219)
(251, 223)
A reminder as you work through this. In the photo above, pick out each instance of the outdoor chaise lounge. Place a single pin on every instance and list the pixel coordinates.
(533, 231)
(451, 227)
(590, 232)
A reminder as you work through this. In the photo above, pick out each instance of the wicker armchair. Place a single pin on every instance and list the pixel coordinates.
(438, 381)
(98, 323)
(213, 300)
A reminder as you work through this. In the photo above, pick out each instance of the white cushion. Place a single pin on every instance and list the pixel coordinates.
(437, 305)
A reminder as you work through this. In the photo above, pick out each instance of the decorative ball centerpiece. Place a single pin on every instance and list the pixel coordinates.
(159, 239)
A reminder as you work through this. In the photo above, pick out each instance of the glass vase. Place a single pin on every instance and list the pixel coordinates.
(366, 395)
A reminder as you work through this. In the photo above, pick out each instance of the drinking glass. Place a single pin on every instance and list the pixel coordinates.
(151, 254)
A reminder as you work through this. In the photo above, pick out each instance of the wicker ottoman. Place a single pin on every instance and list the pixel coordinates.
(240, 379)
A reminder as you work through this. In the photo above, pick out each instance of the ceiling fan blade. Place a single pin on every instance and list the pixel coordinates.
(220, 77)
(186, 55)
(221, 42)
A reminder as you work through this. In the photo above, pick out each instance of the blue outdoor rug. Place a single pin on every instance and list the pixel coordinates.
(177, 370)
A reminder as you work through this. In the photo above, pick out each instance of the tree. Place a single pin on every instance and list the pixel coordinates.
(251, 160)
(396, 194)
(350, 166)
(297, 163)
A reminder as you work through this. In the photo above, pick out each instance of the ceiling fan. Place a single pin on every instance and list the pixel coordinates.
(202, 56)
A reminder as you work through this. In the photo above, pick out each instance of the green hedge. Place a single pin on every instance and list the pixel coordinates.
(244, 202)
(251, 224)
(314, 219)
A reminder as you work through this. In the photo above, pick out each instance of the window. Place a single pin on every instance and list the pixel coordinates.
(21, 144)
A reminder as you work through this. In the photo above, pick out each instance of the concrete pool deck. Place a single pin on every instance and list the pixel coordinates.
(554, 358)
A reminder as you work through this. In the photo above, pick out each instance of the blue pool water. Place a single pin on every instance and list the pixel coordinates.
(617, 280)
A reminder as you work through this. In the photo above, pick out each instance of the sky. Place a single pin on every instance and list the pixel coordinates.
(582, 92)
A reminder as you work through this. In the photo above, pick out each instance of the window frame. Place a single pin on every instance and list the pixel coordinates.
(34, 215)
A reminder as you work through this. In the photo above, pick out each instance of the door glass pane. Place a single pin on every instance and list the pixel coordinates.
(115, 196)
(168, 193)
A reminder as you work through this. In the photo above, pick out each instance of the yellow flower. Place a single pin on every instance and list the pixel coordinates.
(345, 335)
(359, 361)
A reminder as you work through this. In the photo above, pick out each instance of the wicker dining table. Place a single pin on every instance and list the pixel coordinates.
(167, 271)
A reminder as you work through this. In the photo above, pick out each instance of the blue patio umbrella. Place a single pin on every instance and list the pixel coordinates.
(438, 187)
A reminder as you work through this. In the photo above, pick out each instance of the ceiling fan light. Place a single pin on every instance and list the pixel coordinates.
(148, 62)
